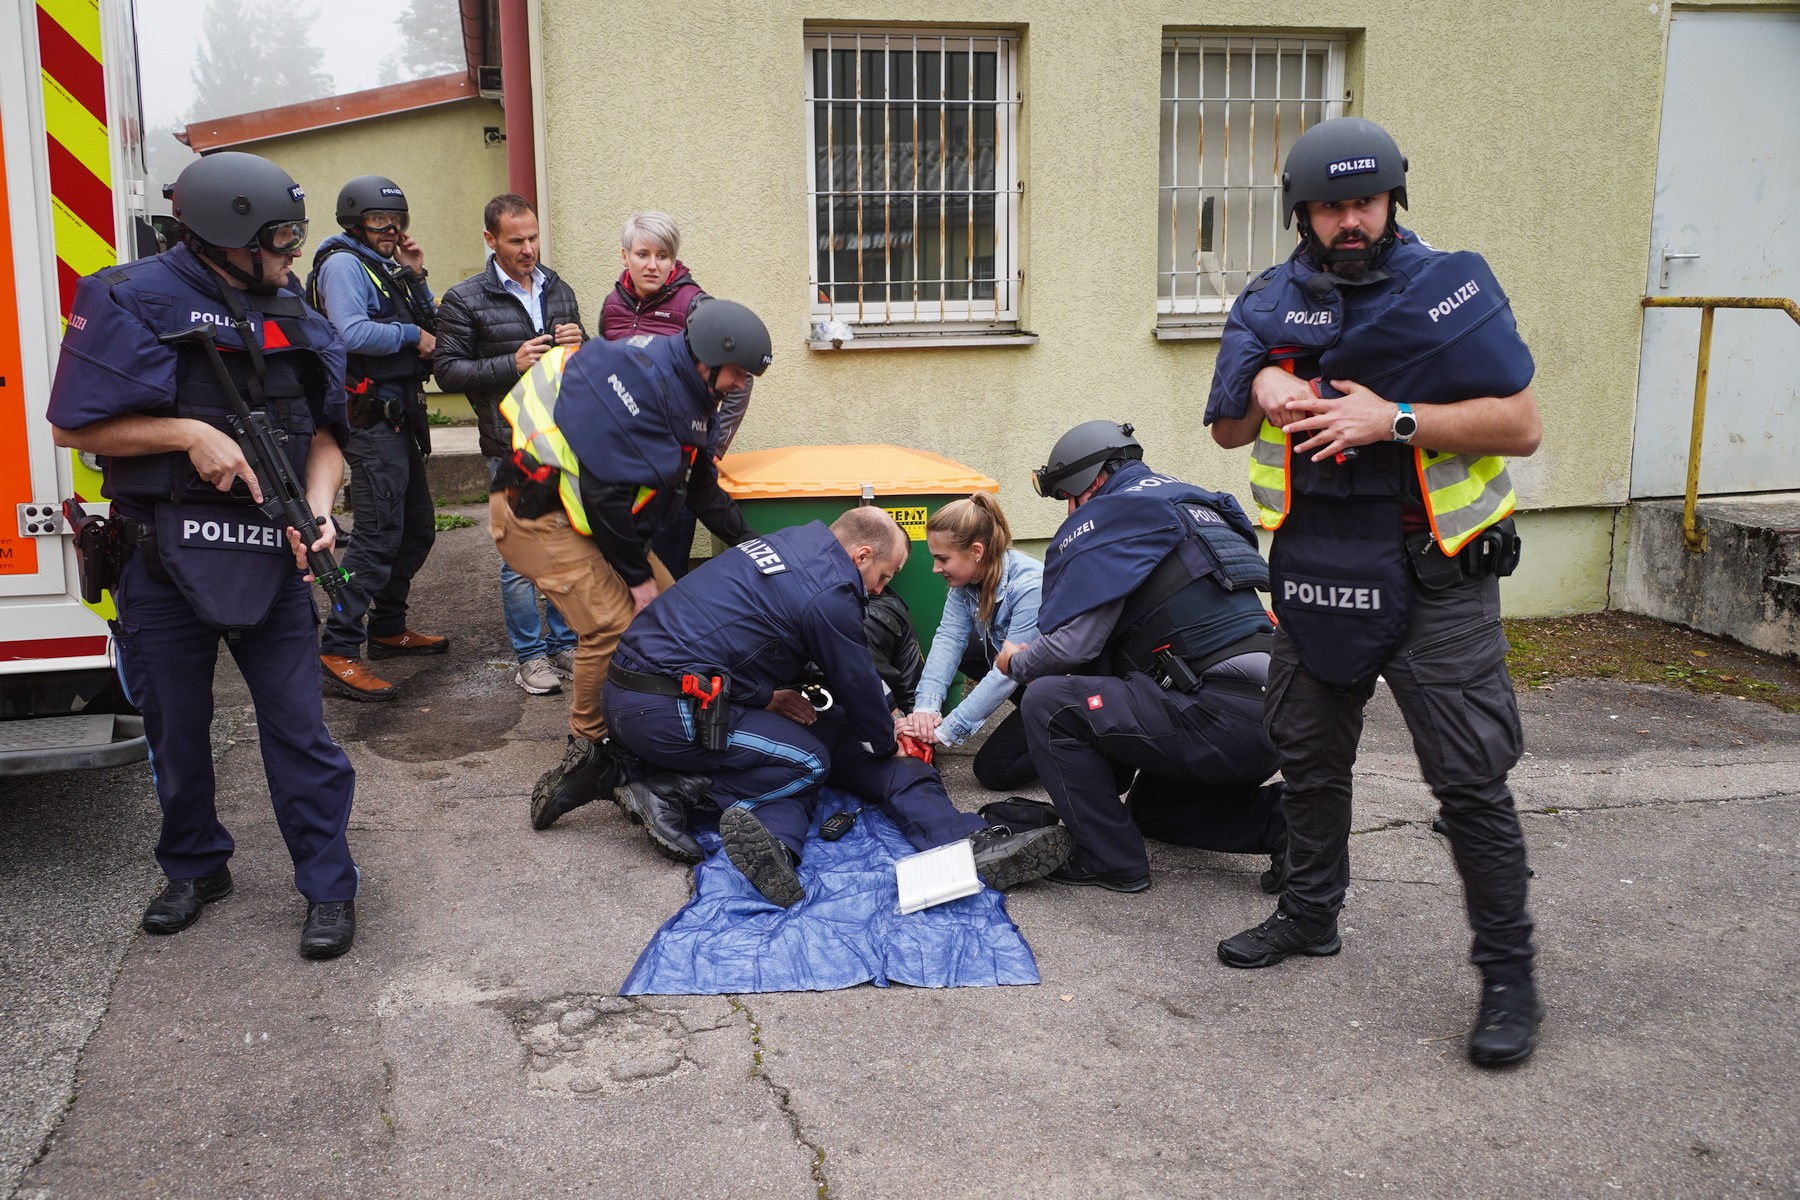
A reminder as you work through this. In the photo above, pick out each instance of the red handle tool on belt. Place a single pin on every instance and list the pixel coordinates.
(691, 686)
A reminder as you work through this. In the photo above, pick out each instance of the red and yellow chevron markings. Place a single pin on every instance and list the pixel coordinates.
(80, 154)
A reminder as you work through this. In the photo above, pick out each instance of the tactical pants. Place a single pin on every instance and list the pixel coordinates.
(574, 576)
(1087, 733)
(776, 766)
(393, 527)
(1450, 680)
(166, 660)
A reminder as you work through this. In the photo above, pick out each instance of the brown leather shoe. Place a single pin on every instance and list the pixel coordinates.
(410, 642)
(351, 677)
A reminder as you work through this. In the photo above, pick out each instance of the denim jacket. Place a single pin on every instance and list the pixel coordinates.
(1015, 620)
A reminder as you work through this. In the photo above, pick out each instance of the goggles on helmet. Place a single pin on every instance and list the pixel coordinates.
(282, 237)
(382, 221)
(1047, 480)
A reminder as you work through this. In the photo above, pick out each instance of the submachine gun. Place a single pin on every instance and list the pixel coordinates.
(284, 499)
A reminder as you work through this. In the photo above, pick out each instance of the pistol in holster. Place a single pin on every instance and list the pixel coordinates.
(102, 547)
(710, 709)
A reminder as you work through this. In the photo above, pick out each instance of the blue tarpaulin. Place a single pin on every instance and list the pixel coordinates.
(847, 931)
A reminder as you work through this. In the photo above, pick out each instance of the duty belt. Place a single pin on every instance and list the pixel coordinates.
(702, 688)
(638, 681)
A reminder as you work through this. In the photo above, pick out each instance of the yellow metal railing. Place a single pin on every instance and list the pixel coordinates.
(1690, 532)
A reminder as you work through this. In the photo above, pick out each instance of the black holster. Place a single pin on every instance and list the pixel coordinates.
(711, 712)
(1494, 552)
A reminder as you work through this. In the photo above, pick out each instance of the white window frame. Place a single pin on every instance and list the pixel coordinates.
(1195, 315)
(877, 320)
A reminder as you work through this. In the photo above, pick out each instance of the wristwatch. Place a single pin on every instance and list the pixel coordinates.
(1405, 425)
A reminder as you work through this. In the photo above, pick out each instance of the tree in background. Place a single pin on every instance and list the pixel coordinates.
(430, 42)
(249, 62)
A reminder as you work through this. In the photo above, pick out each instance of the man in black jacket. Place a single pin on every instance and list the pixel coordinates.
(491, 328)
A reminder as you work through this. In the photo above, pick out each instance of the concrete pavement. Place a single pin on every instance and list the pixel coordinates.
(471, 1044)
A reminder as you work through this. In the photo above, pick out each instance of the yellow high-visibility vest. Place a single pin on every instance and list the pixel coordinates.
(1463, 494)
(530, 408)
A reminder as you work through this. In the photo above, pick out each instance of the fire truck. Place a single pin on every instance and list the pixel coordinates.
(71, 202)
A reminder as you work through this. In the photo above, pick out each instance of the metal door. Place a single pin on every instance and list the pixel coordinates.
(1726, 223)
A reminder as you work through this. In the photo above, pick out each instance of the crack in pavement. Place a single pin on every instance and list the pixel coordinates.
(783, 1098)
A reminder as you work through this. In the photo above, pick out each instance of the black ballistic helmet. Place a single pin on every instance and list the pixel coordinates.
(1341, 159)
(226, 199)
(1081, 454)
(723, 331)
(368, 193)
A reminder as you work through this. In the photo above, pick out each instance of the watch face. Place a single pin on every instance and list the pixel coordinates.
(1405, 425)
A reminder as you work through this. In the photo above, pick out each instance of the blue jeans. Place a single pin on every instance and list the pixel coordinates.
(530, 638)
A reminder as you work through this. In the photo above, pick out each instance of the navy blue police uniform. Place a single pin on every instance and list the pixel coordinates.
(756, 616)
(1358, 597)
(396, 520)
(1169, 571)
(209, 566)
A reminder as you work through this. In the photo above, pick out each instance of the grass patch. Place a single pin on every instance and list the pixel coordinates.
(1633, 649)
(462, 501)
(448, 521)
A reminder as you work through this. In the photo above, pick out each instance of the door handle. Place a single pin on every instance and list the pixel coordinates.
(1669, 256)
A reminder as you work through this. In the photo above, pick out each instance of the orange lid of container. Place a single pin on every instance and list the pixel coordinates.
(844, 470)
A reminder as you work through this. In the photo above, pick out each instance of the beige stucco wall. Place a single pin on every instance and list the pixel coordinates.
(1531, 129)
(435, 154)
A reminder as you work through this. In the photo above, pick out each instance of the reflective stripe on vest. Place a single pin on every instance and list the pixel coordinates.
(1463, 494)
(530, 408)
(1270, 485)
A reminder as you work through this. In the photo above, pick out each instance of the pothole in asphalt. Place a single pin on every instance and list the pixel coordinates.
(592, 1045)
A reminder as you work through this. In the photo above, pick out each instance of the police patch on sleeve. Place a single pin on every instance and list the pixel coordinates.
(640, 340)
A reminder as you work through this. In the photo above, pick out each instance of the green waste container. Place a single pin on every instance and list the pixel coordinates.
(797, 484)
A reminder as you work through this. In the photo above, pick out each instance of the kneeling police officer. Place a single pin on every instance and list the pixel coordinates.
(1151, 656)
(701, 684)
(138, 384)
(609, 445)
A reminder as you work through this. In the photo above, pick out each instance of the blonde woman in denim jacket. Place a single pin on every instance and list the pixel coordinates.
(994, 592)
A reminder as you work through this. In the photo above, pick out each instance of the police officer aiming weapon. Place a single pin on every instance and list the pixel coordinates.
(284, 499)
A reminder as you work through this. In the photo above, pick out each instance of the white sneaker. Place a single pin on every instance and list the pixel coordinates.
(537, 677)
(563, 663)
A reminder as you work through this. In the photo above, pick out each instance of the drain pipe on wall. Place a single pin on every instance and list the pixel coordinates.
(516, 89)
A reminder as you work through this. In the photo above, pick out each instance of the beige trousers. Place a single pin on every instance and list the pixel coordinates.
(569, 569)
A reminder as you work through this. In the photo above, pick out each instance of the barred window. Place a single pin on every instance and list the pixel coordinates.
(1231, 107)
(914, 185)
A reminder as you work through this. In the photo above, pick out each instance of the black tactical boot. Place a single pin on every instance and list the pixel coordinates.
(586, 771)
(1004, 859)
(1506, 1030)
(179, 904)
(1277, 938)
(760, 855)
(660, 804)
(330, 928)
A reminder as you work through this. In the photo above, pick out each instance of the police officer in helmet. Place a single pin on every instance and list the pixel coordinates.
(370, 280)
(1379, 382)
(609, 444)
(136, 385)
(1150, 660)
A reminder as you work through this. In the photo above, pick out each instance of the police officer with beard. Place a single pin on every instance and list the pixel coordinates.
(1152, 650)
(1379, 381)
(135, 386)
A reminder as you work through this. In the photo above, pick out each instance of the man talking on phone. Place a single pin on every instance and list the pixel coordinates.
(492, 327)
